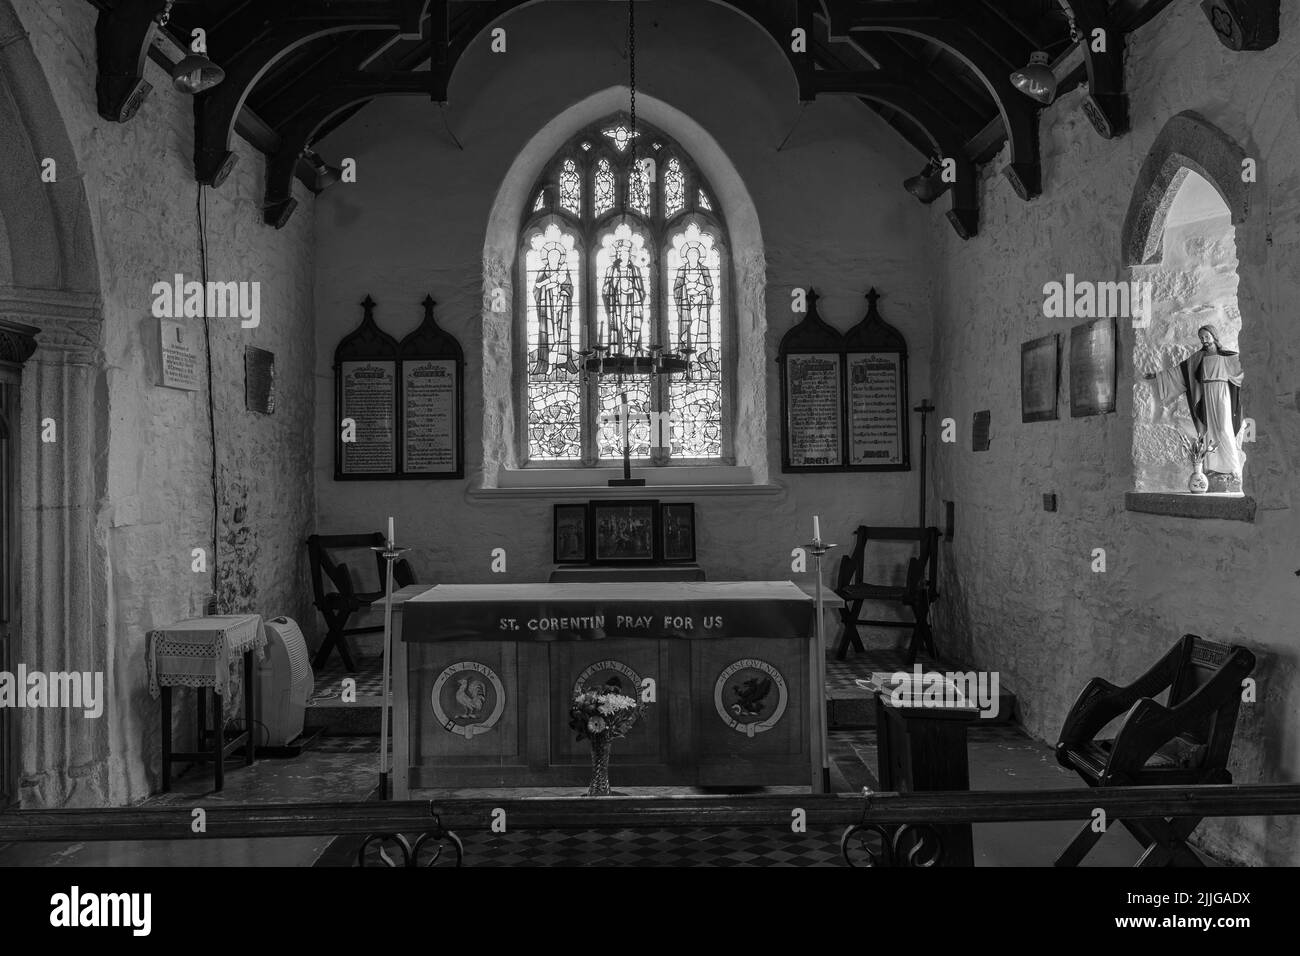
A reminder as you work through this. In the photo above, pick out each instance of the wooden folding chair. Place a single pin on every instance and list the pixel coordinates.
(919, 590)
(339, 604)
(1184, 741)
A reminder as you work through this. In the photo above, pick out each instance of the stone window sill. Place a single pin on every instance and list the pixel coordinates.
(1225, 507)
(593, 483)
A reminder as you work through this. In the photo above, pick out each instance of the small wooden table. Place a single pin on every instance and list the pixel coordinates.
(924, 748)
(196, 653)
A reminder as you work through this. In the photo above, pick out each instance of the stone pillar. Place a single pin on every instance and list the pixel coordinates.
(63, 607)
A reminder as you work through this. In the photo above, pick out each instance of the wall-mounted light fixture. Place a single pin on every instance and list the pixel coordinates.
(194, 72)
(1036, 80)
(927, 185)
(325, 174)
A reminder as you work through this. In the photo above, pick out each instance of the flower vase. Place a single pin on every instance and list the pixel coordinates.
(1198, 484)
(600, 744)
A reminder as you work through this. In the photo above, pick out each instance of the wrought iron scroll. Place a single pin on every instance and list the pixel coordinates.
(410, 852)
(917, 845)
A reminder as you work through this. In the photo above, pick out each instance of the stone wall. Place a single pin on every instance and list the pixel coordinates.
(154, 459)
(1019, 592)
(829, 208)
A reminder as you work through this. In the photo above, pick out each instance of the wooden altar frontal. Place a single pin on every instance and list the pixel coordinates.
(483, 676)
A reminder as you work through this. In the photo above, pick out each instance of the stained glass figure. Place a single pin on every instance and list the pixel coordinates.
(621, 135)
(693, 295)
(674, 187)
(570, 188)
(638, 187)
(603, 191)
(704, 202)
(553, 267)
(623, 265)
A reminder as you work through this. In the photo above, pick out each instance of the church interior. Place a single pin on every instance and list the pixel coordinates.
(699, 432)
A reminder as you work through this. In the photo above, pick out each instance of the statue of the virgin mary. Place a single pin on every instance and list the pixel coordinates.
(1211, 379)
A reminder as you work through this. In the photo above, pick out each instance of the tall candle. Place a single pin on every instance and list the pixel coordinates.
(390, 529)
(817, 528)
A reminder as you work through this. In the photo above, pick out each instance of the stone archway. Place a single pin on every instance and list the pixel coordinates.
(55, 289)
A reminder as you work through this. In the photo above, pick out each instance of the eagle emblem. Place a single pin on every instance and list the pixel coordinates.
(750, 696)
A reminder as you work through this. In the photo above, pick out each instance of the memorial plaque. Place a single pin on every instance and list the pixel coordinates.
(178, 355)
(979, 432)
(814, 412)
(259, 380)
(1092, 368)
(1040, 378)
(429, 416)
(875, 406)
(433, 390)
(369, 399)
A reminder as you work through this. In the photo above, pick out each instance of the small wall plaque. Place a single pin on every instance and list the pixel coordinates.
(259, 380)
(179, 354)
(979, 436)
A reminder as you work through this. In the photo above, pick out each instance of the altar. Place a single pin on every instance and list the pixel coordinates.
(483, 676)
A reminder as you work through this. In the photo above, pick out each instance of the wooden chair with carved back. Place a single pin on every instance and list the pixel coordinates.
(1184, 741)
(918, 591)
(337, 596)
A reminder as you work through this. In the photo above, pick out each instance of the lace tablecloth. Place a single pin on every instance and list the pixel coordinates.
(201, 651)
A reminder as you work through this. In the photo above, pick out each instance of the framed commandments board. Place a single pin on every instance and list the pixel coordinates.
(432, 389)
(811, 360)
(400, 407)
(844, 397)
(875, 371)
(365, 390)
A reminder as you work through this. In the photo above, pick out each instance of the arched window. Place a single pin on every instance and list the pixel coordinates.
(630, 251)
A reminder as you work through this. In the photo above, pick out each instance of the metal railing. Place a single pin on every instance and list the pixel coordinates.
(904, 822)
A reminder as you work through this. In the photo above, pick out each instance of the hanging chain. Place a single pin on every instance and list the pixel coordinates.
(631, 58)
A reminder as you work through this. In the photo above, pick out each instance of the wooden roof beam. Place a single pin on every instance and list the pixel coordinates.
(123, 36)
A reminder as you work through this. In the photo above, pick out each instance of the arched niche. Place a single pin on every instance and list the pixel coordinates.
(749, 278)
(1189, 144)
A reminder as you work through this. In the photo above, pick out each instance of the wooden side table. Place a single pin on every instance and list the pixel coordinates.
(197, 653)
(924, 748)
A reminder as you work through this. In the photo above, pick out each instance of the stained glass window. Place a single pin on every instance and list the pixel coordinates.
(570, 188)
(621, 136)
(674, 187)
(639, 186)
(609, 270)
(604, 187)
(553, 268)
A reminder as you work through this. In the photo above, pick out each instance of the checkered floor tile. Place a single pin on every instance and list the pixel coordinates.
(697, 846)
(368, 675)
(840, 675)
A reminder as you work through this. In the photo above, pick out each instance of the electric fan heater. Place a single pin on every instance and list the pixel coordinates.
(285, 681)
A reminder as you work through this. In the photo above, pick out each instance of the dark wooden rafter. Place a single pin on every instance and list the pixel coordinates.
(216, 110)
(953, 29)
(1245, 25)
(1106, 104)
(123, 36)
(896, 93)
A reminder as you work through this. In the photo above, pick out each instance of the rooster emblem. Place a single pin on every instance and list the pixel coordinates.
(750, 696)
(471, 700)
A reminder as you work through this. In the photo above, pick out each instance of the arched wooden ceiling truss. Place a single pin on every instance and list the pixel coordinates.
(936, 70)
